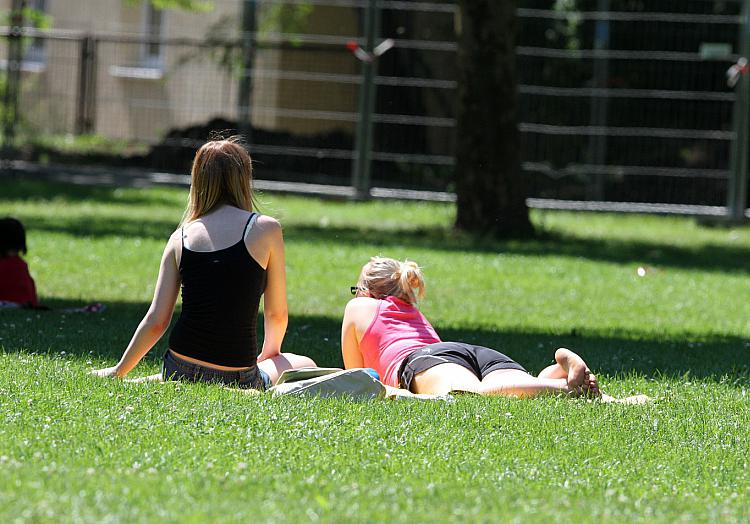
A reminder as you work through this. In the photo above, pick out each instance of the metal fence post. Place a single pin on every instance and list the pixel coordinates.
(598, 117)
(737, 189)
(13, 77)
(363, 147)
(244, 115)
(86, 106)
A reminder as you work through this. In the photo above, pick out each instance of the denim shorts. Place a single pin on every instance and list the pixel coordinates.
(175, 368)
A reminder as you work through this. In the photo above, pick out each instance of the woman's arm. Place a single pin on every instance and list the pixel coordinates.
(275, 309)
(358, 315)
(157, 319)
(349, 344)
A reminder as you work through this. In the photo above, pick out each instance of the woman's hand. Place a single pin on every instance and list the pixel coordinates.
(265, 355)
(105, 372)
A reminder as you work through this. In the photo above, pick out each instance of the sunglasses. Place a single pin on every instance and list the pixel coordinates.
(356, 289)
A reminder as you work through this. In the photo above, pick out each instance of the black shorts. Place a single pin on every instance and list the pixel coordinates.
(479, 360)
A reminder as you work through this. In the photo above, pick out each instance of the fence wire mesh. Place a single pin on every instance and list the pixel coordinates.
(619, 100)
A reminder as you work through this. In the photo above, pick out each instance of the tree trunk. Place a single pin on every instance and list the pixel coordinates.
(491, 191)
(245, 93)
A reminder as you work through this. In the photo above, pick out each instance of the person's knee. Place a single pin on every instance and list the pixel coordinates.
(299, 361)
(306, 362)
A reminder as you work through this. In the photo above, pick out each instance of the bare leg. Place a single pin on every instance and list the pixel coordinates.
(277, 365)
(517, 383)
(553, 371)
(445, 378)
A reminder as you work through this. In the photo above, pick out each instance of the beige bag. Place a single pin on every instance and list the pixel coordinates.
(329, 383)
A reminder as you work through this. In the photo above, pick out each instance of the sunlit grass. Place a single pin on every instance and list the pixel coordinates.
(77, 449)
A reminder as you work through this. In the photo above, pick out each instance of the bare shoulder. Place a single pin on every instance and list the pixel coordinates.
(175, 236)
(267, 223)
(361, 305)
(268, 228)
(175, 240)
(359, 314)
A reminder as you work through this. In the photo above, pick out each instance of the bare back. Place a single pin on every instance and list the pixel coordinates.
(222, 228)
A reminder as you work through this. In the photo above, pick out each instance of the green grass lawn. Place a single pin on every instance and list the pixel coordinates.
(74, 448)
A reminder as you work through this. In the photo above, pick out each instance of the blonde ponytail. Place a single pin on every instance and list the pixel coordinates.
(411, 282)
(384, 277)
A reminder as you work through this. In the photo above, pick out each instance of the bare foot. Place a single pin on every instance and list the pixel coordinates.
(573, 365)
(592, 384)
(580, 378)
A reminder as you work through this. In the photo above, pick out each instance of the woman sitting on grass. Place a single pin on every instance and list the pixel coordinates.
(226, 257)
(383, 329)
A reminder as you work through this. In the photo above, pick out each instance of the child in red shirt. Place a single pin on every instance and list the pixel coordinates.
(16, 285)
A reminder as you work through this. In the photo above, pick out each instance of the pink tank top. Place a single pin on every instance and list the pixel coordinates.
(397, 330)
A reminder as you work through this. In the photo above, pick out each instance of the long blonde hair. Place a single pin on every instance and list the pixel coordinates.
(222, 173)
(384, 277)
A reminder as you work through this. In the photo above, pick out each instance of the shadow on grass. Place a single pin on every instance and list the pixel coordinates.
(103, 227)
(89, 225)
(720, 258)
(102, 338)
(14, 188)
(707, 257)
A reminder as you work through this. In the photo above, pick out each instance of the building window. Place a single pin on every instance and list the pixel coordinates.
(35, 52)
(152, 51)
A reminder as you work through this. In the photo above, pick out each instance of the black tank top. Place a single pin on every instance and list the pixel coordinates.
(221, 293)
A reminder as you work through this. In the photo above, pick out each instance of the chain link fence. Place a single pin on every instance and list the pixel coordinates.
(621, 101)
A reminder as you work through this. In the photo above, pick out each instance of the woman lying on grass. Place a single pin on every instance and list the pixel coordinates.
(382, 329)
(226, 257)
